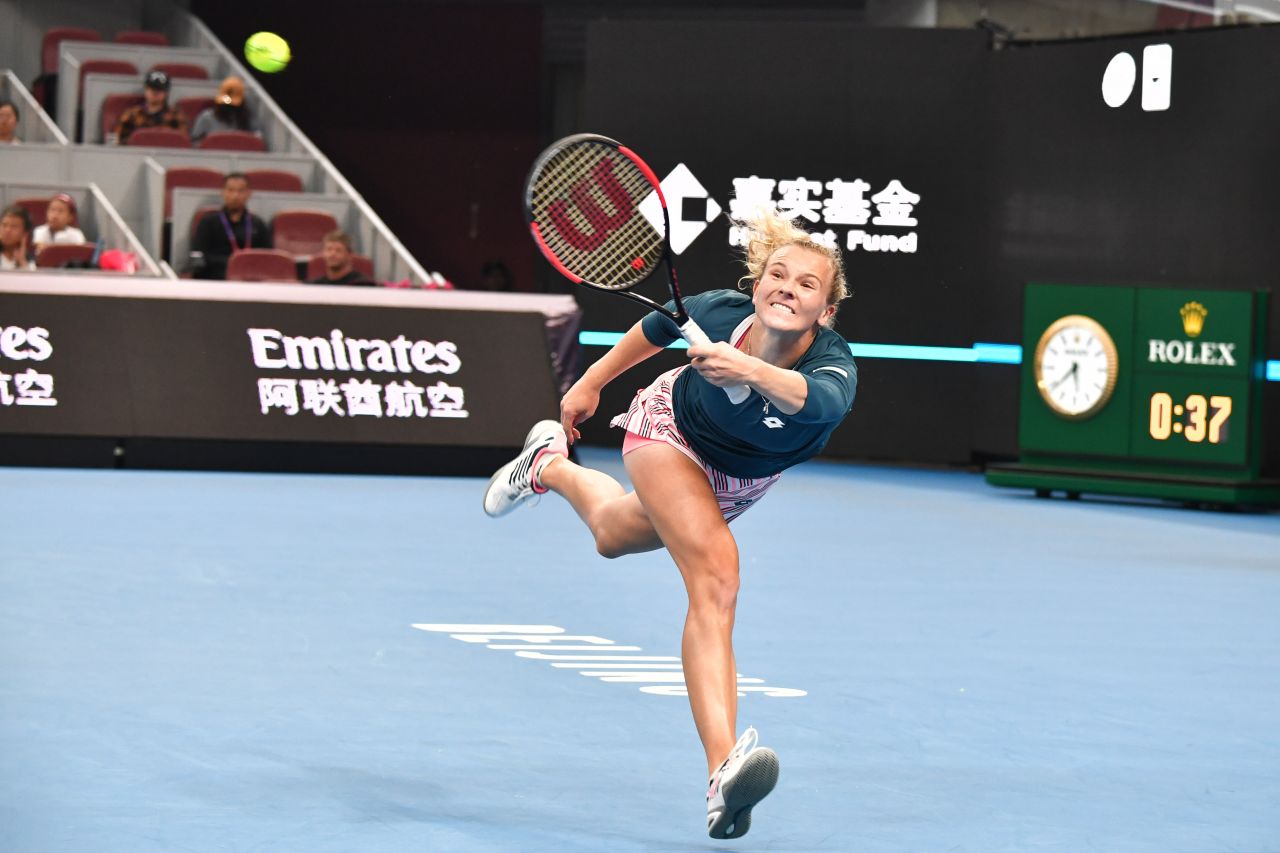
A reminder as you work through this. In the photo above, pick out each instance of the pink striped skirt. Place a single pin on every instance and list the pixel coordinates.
(651, 420)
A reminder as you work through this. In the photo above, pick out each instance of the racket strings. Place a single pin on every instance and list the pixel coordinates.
(586, 201)
(605, 233)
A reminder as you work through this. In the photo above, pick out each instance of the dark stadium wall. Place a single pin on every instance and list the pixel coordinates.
(1023, 172)
(430, 110)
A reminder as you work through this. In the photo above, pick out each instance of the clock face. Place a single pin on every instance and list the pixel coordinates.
(1076, 366)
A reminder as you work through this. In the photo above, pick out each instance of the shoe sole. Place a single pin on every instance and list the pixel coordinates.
(758, 776)
(538, 428)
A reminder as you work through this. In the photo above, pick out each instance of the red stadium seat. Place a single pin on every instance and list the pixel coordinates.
(301, 232)
(261, 265)
(192, 107)
(113, 106)
(274, 180)
(53, 37)
(201, 213)
(189, 176)
(182, 70)
(160, 137)
(104, 66)
(363, 265)
(36, 208)
(142, 37)
(233, 140)
(57, 254)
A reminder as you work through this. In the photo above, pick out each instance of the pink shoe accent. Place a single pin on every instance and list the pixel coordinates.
(538, 488)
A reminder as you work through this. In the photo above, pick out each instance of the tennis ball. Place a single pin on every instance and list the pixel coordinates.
(267, 52)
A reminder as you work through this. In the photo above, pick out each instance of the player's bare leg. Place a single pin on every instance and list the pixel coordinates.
(615, 517)
(687, 516)
(684, 512)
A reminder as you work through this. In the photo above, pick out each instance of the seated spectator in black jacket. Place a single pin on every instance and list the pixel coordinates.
(337, 261)
(8, 122)
(154, 111)
(221, 234)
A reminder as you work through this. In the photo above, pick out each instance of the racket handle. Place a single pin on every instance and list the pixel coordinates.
(693, 333)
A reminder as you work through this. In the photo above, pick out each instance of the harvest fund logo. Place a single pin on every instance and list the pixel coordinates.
(1193, 316)
(690, 207)
(849, 214)
(845, 213)
(356, 396)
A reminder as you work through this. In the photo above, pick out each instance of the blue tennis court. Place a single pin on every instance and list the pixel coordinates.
(201, 661)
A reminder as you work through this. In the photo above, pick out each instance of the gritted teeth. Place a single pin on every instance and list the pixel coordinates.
(782, 307)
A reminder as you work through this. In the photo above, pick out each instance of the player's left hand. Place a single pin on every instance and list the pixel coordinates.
(723, 364)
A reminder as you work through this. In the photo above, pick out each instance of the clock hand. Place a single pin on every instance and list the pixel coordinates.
(1065, 376)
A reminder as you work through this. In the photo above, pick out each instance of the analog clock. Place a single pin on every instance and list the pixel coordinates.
(1075, 366)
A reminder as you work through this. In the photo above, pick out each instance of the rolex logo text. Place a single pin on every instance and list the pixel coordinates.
(1190, 352)
(1193, 315)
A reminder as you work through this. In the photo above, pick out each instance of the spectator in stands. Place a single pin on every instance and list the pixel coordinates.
(8, 122)
(15, 239)
(220, 234)
(337, 261)
(227, 113)
(494, 275)
(153, 112)
(59, 223)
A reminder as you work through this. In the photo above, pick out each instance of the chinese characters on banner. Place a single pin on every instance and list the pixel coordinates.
(844, 203)
(356, 397)
(361, 397)
(28, 387)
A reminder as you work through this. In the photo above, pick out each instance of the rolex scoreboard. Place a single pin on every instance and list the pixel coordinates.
(1142, 391)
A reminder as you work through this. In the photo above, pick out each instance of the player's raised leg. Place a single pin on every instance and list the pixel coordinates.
(615, 517)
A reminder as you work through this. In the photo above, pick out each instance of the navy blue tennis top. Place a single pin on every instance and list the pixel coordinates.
(753, 439)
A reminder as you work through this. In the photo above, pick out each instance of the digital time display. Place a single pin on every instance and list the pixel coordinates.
(1190, 418)
(1206, 419)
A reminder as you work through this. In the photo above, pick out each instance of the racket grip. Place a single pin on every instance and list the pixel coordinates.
(693, 333)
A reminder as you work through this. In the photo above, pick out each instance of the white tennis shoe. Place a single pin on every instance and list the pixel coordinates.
(746, 777)
(517, 482)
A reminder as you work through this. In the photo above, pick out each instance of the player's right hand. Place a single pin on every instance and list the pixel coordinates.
(577, 405)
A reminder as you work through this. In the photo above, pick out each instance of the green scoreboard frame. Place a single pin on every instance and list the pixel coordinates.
(1183, 420)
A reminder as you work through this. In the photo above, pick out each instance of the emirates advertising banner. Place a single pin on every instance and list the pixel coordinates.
(168, 368)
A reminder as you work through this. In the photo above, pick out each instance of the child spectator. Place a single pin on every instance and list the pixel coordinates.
(8, 122)
(15, 234)
(59, 223)
(227, 113)
(154, 112)
(337, 261)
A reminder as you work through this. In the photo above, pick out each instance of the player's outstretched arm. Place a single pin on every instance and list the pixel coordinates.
(582, 399)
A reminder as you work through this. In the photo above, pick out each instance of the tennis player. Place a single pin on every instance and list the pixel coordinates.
(698, 462)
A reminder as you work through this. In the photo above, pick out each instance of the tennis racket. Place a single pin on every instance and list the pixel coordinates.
(597, 213)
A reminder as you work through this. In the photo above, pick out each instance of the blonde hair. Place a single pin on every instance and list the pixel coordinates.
(768, 231)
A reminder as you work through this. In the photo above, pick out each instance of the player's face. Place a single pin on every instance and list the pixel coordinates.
(791, 295)
(11, 232)
(336, 255)
(235, 194)
(57, 215)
